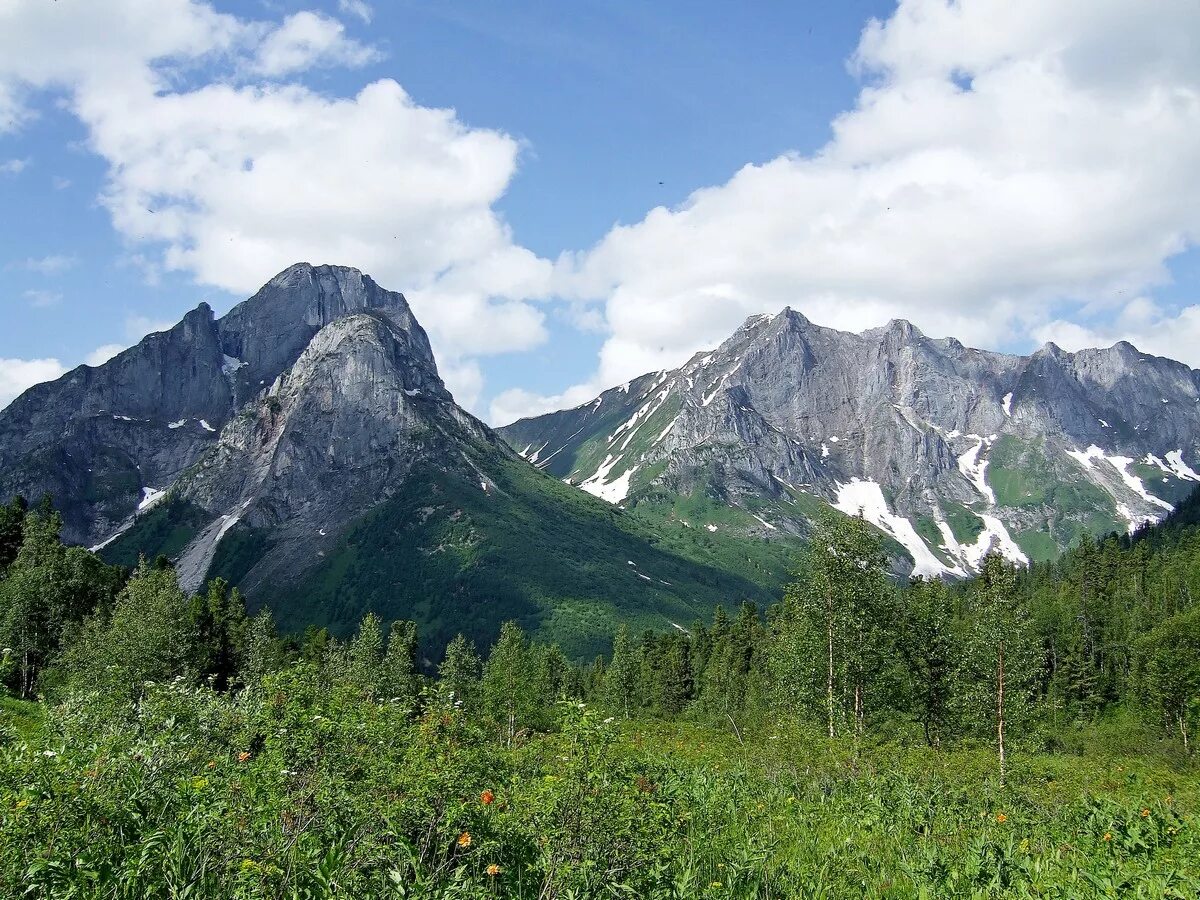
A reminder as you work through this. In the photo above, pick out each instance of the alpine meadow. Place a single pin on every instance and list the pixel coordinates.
(780, 476)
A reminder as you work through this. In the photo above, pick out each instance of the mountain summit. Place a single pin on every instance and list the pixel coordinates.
(950, 451)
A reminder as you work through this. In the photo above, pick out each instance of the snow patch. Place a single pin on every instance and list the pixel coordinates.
(1085, 457)
(204, 424)
(1008, 404)
(150, 496)
(1121, 464)
(975, 469)
(711, 527)
(612, 491)
(178, 424)
(1180, 468)
(866, 497)
(824, 451)
(765, 522)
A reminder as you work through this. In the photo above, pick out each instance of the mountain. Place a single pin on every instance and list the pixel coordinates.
(949, 450)
(304, 447)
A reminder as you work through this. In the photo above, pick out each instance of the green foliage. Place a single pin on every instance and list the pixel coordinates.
(1167, 673)
(453, 557)
(147, 637)
(163, 531)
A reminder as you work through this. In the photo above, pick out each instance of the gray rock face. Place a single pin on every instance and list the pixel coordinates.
(951, 451)
(103, 440)
(333, 436)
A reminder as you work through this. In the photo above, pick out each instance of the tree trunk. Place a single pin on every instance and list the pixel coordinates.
(1000, 708)
(1183, 734)
(829, 683)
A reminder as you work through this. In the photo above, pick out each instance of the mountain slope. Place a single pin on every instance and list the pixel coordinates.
(951, 451)
(305, 447)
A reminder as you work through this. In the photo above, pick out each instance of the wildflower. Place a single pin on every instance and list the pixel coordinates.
(493, 870)
(1168, 799)
(49, 753)
(486, 797)
(464, 840)
(212, 764)
(1108, 836)
(243, 756)
(1001, 818)
(1145, 813)
(715, 884)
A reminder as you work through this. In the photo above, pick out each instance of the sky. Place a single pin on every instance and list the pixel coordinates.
(571, 195)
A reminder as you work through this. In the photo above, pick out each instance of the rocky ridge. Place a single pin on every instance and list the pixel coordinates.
(949, 450)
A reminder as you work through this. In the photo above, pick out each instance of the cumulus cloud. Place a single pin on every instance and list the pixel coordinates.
(13, 166)
(103, 354)
(308, 39)
(1143, 323)
(518, 403)
(18, 374)
(234, 180)
(1004, 158)
(358, 9)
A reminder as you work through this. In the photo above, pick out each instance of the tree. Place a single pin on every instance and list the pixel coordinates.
(507, 680)
(1002, 661)
(460, 669)
(261, 654)
(148, 637)
(12, 520)
(400, 679)
(843, 600)
(931, 650)
(366, 657)
(48, 588)
(219, 619)
(621, 678)
(1167, 673)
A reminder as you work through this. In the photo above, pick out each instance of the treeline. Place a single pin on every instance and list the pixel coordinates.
(1009, 655)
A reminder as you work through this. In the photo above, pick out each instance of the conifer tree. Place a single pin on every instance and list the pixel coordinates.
(399, 678)
(621, 678)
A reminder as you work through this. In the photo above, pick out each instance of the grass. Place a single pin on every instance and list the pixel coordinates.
(287, 793)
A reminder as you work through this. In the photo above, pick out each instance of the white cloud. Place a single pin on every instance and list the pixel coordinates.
(1004, 158)
(358, 9)
(1143, 323)
(59, 183)
(13, 166)
(305, 40)
(18, 374)
(42, 299)
(234, 181)
(464, 379)
(518, 403)
(138, 326)
(53, 264)
(103, 354)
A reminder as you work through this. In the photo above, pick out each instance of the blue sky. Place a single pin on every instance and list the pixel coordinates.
(626, 182)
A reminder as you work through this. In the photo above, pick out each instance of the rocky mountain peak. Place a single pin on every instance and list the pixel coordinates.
(950, 451)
